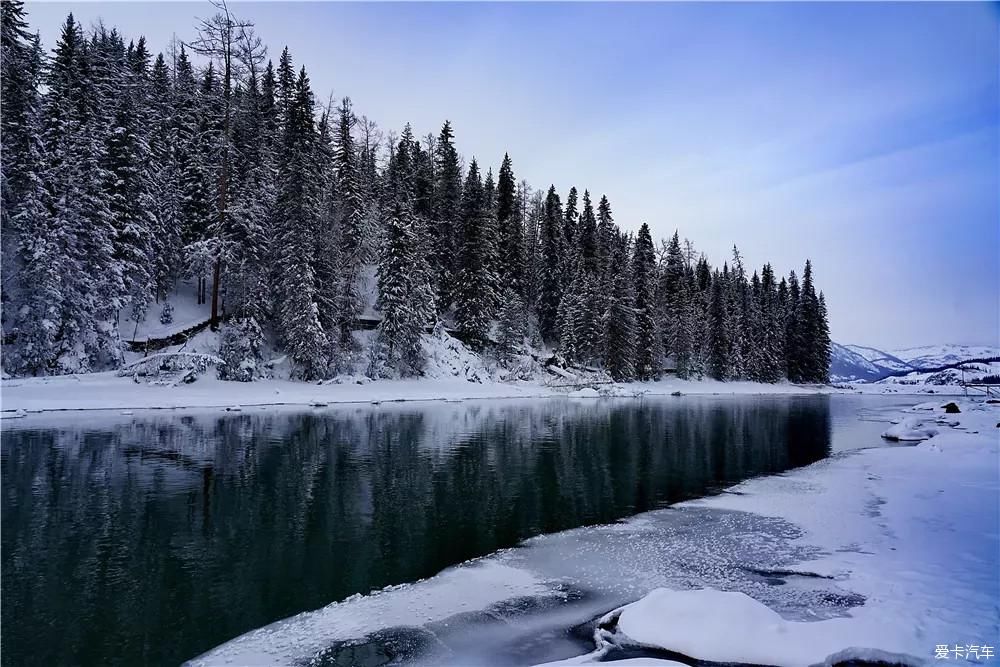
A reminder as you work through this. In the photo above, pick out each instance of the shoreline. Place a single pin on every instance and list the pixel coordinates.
(107, 392)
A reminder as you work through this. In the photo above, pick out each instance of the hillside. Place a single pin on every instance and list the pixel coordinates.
(917, 365)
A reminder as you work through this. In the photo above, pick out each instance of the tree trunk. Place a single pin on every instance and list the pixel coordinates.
(216, 270)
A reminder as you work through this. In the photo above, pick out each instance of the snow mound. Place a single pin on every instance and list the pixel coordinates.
(910, 430)
(692, 623)
(585, 392)
(447, 357)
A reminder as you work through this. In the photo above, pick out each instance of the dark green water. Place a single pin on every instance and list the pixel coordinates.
(149, 539)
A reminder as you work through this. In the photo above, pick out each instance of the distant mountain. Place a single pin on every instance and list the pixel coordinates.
(852, 363)
(940, 355)
(849, 365)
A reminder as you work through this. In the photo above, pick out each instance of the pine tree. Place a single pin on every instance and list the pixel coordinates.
(164, 182)
(130, 189)
(32, 294)
(297, 216)
(702, 290)
(474, 298)
(619, 319)
(550, 256)
(351, 209)
(533, 206)
(647, 347)
(718, 342)
(510, 238)
(822, 343)
(793, 343)
(21, 187)
(588, 235)
(605, 234)
(81, 233)
(447, 214)
(406, 296)
(755, 357)
(812, 360)
(568, 250)
(740, 343)
(511, 325)
(671, 297)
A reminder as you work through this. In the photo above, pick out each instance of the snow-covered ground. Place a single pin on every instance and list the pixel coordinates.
(97, 391)
(887, 553)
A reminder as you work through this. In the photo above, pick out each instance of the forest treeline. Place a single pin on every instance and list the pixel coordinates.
(125, 172)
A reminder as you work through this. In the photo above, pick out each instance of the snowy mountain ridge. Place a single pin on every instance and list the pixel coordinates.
(852, 363)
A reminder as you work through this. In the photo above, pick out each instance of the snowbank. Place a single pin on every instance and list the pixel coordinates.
(909, 430)
(693, 622)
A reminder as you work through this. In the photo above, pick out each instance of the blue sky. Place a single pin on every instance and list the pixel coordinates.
(862, 135)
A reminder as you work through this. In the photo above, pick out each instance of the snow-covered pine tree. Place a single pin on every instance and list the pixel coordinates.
(533, 208)
(772, 329)
(587, 236)
(129, 187)
(245, 238)
(297, 220)
(80, 232)
(195, 153)
(510, 237)
(590, 323)
(670, 301)
(241, 346)
(822, 343)
(619, 320)
(606, 234)
(571, 216)
(808, 323)
(511, 325)
(164, 182)
(351, 207)
(702, 291)
(490, 244)
(326, 257)
(285, 90)
(718, 328)
(474, 299)
(781, 315)
(571, 308)
(755, 331)
(550, 281)
(683, 325)
(447, 215)
(406, 294)
(793, 344)
(21, 187)
(740, 342)
(648, 349)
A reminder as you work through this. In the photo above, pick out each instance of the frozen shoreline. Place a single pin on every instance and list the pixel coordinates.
(107, 391)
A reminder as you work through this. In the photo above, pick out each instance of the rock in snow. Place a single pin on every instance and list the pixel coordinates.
(910, 430)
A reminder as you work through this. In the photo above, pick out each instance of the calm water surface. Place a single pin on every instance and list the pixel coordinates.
(148, 539)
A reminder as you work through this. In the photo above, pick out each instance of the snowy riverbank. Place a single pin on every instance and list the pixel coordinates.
(107, 391)
(891, 549)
